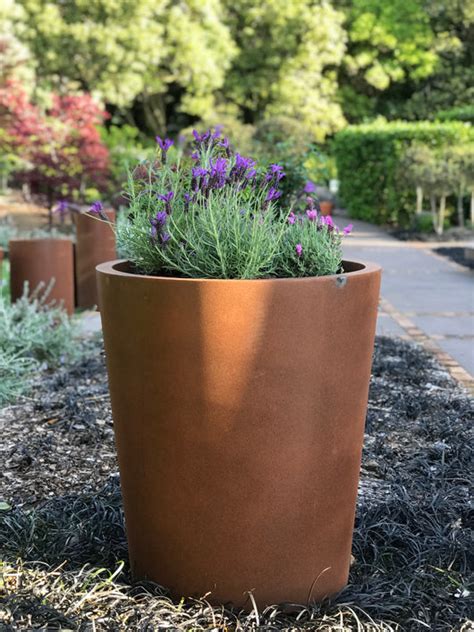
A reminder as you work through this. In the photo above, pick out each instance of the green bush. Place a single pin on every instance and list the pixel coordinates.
(373, 186)
(34, 335)
(464, 113)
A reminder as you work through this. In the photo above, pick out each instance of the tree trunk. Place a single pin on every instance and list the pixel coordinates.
(434, 213)
(419, 200)
(441, 213)
(460, 208)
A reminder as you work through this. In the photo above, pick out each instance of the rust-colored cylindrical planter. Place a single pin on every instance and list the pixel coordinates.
(39, 261)
(239, 411)
(95, 244)
(326, 207)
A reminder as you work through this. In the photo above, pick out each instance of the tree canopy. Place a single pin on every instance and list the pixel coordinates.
(164, 64)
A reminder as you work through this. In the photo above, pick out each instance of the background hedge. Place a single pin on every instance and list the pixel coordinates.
(373, 186)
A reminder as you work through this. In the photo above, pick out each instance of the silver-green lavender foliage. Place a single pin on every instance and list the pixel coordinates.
(212, 215)
(33, 336)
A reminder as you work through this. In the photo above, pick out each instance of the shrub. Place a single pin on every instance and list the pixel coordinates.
(213, 215)
(126, 147)
(61, 146)
(33, 335)
(463, 113)
(373, 186)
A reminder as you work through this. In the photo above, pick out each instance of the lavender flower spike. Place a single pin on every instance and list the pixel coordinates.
(348, 229)
(272, 194)
(97, 208)
(164, 145)
(312, 215)
(291, 218)
(167, 197)
(299, 250)
(309, 187)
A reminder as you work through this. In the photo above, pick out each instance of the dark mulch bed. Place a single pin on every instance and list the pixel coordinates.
(63, 539)
(451, 234)
(458, 255)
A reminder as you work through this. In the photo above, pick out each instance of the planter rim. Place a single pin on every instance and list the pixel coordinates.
(112, 268)
(30, 239)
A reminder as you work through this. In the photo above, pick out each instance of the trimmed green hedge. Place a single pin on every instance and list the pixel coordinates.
(464, 113)
(368, 162)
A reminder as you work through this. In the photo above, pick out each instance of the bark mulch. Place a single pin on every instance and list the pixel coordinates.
(63, 541)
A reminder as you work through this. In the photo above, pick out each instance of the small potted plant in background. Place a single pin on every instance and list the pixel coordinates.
(95, 243)
(45, 260)
(238, 346)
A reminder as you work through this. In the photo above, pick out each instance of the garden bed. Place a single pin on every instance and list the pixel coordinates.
(449, 235)
(62, 533)
(458, 255)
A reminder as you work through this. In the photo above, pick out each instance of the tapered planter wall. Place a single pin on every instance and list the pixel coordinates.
(239, 411)
(40, 260)
(326, 207)
(95, 244)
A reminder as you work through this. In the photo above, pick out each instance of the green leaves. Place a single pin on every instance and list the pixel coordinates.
(373, 185)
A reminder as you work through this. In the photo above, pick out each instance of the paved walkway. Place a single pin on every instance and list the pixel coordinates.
(425, 297)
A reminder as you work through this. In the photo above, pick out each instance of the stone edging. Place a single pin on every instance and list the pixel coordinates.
(417, 335)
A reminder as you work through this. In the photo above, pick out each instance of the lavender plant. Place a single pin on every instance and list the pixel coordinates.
(213, 215)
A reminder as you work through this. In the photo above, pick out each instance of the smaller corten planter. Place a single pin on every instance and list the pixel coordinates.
(39, 261)
(95, 244)
(326, 207)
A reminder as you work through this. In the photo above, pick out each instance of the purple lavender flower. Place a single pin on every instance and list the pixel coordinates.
(299, 250)
(187, 200)
(62, 209)
(157, 224)
(160, 219)
(312, 215)
(199, 180)
(224, 143)
(164, 144)
(272, 195)
(195, 155)
(310, 187)
(240, 168)
(167, 197)
(348, 229)
(327, 219)
(96, 208)
(165, 237)
(201, 139)
(274, 174)
(291, 218)
(218, 173)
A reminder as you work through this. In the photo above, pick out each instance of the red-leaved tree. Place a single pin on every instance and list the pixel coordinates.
(60, 146)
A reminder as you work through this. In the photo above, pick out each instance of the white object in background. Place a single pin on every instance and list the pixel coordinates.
(334, 186)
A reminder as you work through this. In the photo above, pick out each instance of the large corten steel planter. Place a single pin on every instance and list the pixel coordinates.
(239, 411)
(39, 261)
(95, 244)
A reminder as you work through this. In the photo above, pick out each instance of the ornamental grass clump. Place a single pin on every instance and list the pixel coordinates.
(213, 215)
